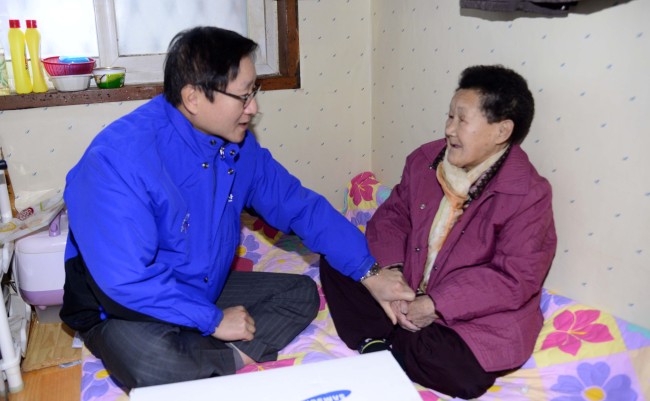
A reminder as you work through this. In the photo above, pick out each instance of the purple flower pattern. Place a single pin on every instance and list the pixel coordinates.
(248, 247)
(593, 383)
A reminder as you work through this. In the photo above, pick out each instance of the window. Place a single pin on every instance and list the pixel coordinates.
(149, 25)
(273, 24)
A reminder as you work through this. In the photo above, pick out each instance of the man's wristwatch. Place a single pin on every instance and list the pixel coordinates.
(374, 270)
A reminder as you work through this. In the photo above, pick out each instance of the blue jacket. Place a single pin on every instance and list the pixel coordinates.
(154, 211)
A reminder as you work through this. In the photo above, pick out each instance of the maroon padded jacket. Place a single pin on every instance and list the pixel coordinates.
(487, 278)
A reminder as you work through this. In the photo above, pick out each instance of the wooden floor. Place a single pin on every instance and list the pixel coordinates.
(50, 384)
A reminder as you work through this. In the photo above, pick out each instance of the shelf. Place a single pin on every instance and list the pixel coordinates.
(93, 95)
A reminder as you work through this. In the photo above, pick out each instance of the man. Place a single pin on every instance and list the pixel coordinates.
(154, 210)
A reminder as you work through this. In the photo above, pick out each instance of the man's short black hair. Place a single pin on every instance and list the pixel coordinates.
(206, 57)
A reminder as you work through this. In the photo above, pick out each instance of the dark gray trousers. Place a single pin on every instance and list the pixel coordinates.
(140, 354)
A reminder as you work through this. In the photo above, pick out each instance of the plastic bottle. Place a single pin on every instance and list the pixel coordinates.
(5, 202)
(33, 39)
(22, 81)
(4, 76)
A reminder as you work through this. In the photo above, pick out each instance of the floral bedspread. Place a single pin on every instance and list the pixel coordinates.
(582, 353)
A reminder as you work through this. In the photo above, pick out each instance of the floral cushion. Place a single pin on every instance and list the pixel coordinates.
(363, 196)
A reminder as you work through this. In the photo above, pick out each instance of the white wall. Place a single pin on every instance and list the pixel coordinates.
(589, 75)
(321, 132)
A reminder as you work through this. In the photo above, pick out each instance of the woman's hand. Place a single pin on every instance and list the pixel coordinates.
(422, 311)
(236, 325)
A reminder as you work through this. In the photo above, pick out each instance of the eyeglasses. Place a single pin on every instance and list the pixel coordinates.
(245, 99)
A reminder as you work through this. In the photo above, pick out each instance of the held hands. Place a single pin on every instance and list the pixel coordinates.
(388, 286)
(415, 315)
(400, 309)
(236, 325)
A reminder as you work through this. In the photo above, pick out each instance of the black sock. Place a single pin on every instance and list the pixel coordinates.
(381, 344)
(373, 345)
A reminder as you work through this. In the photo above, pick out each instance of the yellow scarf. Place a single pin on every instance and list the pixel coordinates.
(455, 183)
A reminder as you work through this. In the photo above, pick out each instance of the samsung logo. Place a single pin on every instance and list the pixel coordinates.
(331, 396)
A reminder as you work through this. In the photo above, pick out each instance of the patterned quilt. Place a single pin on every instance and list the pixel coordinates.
(582, 353)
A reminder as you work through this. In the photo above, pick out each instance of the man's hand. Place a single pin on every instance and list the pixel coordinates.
(387, 286)
(236, 325)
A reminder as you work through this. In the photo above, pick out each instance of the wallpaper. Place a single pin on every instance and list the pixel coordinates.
(589, 75)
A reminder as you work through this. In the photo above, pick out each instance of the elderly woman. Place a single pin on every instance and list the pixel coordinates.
(471, 226)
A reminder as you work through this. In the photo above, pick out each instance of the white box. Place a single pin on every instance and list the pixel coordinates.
(370, 377)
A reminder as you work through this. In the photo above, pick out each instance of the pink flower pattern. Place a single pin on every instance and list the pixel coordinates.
(361, 187)
(573, 328)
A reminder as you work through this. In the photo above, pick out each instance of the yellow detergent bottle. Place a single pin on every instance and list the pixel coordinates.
(33, 39)
(22, 81)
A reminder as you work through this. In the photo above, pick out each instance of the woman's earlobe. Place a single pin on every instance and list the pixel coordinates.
(505, 130)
